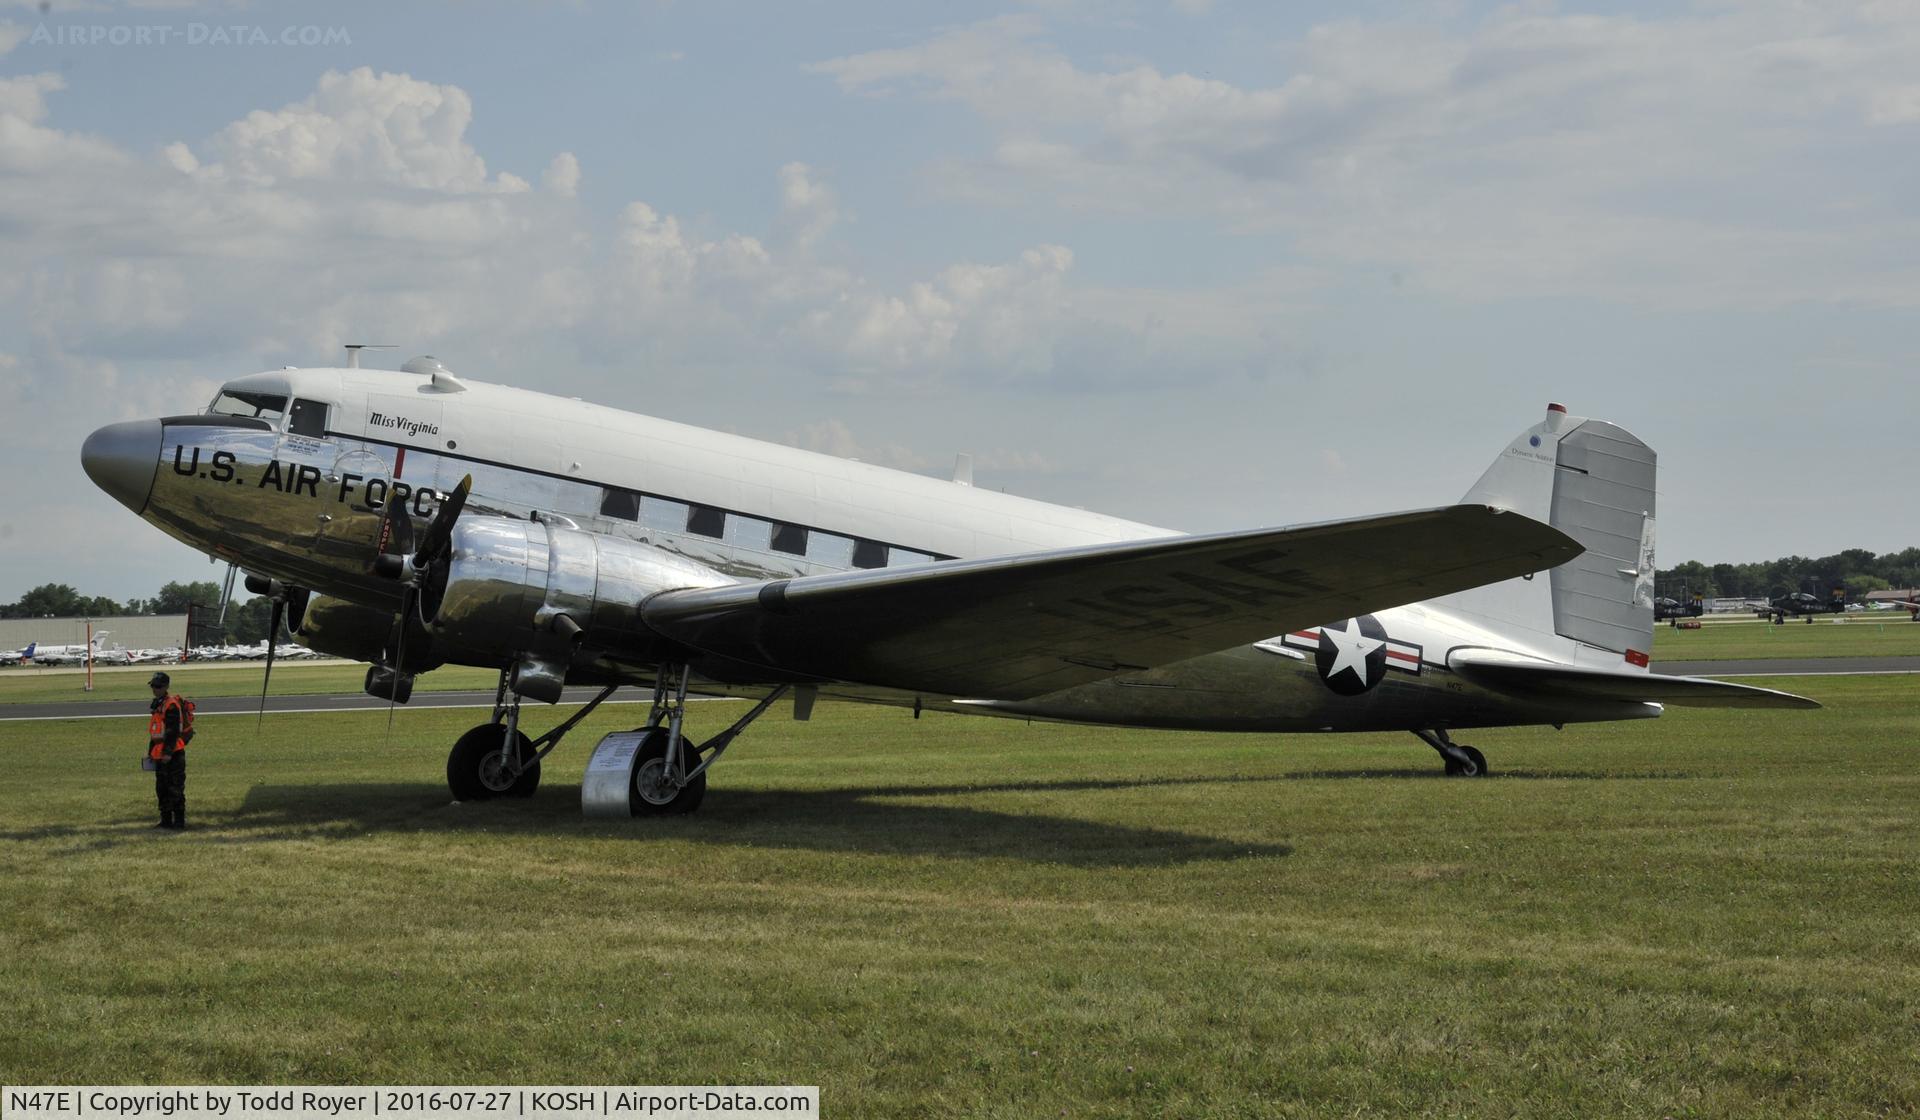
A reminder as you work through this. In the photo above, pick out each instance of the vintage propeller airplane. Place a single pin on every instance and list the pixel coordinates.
(413, 518)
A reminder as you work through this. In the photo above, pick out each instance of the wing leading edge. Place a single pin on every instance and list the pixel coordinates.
(1515, 673)
(1013, 627)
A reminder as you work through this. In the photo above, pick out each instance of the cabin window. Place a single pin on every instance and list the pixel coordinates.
(664, 514)
(901, 557)
(869, 554)
(706, 521)
(621, 504)
(829, 549)
(259, 406)
(307, 418)
(750, 533)
(791, 539)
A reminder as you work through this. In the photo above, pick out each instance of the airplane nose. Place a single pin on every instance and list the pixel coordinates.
(122, 459)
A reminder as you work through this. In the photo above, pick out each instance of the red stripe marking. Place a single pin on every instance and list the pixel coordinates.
(399, 460)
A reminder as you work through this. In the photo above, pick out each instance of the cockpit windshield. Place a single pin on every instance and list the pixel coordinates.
(239, 402)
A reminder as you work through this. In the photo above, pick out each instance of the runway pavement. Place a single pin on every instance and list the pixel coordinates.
(359, 702)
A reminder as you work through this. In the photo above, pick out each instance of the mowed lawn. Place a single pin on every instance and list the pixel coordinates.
(1712, 914)
(1880, 634)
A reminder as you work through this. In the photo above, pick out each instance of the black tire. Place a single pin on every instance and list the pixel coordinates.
(1473, 766)
(474, 772)
(647, 802)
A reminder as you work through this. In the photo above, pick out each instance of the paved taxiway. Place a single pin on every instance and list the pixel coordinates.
(360, 702)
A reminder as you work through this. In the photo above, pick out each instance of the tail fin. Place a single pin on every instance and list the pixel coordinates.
(27, 654)
(1594, 482)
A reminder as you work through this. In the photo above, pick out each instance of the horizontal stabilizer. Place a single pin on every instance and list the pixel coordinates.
(1510, 672)
(1012, 627)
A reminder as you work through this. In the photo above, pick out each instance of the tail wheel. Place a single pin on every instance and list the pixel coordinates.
(477, 770)
(1473, 765)
(651, 796)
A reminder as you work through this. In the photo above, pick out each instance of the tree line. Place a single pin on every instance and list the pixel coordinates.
(1856, 569)
(246, 621)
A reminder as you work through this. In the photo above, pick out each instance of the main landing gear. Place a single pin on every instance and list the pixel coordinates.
(655, 770)
(1462, 761)
(649, 771)
(496, 759)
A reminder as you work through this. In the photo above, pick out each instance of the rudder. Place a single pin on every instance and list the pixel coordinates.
(1595, 482)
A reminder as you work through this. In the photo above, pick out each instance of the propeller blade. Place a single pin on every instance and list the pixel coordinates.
(395, 540)
(407, 606)
(439, 532)
(273, 639)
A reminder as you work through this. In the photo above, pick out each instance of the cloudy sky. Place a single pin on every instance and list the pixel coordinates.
(1202, 264)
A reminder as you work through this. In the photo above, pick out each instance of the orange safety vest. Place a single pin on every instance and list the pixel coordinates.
(157, 728)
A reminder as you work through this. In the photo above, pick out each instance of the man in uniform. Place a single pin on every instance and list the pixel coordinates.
(168, 752)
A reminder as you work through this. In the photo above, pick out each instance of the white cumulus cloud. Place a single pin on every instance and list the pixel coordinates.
(1716, 156)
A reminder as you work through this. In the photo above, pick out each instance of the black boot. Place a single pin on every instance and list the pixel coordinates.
(178, 820)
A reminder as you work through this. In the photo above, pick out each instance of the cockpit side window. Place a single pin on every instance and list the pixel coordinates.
(307, 418)
(259, 406)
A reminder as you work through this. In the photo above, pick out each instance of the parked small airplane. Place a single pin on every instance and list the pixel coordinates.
(21, 655)
(1910, 605)
(1665, 608)
(414, 518)
(1804, 604)
(75, 654)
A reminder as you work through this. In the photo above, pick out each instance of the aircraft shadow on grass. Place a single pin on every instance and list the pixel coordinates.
(876, 819)
(881, 820)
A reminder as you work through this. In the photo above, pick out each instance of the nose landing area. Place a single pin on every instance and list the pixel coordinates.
(122, 459)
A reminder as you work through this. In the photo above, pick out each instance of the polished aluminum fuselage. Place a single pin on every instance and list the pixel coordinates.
(307, 510)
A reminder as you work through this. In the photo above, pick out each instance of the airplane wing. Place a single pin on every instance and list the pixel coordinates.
(1510, 672)
(1013, 627)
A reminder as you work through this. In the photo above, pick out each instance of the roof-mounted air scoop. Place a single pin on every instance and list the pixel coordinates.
(429, 366)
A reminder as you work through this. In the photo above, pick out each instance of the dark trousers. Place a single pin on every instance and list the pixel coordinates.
(170, 786)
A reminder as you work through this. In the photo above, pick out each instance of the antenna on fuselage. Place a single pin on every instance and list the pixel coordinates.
(354, 348)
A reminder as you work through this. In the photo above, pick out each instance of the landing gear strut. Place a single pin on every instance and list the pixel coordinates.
(496, 760)
(655, 770)
(1462, 761)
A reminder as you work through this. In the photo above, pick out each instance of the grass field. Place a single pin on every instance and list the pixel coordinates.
(1888, 634)
(1712, 914)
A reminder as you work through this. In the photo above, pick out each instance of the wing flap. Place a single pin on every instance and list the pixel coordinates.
(1013, 627)
(1509, 672)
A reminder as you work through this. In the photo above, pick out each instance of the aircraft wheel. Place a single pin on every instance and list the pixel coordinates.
(476, 770)
(650, 796)
(1474, 765)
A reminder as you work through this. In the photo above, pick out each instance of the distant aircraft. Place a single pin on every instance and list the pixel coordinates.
(1802, 604)
(69, 654)
(1910, 605)
(18, 654)
(413, 518)
(1665, 608)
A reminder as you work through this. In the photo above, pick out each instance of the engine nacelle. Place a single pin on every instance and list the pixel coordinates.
(360, 633)
(537, 592)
